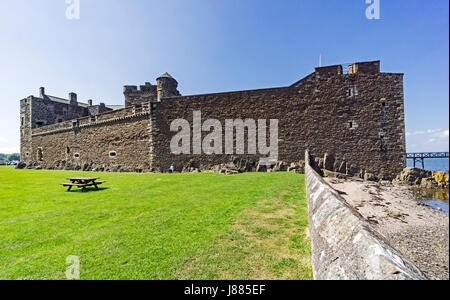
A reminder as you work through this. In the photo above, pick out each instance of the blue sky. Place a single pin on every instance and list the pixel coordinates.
(221, 45)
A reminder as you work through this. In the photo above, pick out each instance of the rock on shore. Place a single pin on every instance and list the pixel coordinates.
(423, 178)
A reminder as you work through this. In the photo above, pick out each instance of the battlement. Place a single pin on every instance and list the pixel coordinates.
(133, 89)
(369, 67)
(166, 87)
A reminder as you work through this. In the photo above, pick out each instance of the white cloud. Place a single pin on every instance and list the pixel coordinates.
(8, 146)
(442, 134)
(428, 140)
(422, 132)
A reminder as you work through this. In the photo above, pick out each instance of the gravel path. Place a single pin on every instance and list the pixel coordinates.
(420, 233)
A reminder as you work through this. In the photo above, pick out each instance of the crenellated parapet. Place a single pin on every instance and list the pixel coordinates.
(135, 96)
(166, 87)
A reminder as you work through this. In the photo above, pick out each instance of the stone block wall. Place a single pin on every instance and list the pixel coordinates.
(25, 130)
(344, 246)
(358, 119)
(116, 141)
(46, 112)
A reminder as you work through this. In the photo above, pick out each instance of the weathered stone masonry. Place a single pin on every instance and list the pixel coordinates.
(356, 118)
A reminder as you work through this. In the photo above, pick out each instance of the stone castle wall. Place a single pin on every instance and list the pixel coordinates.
(356, 120)
(114, 141)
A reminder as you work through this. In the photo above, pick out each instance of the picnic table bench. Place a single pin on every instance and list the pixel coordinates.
(83, 183)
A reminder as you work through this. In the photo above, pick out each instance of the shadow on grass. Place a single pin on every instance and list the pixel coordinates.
(87, 190)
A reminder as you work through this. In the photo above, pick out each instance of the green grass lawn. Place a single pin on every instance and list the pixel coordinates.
(154, 226)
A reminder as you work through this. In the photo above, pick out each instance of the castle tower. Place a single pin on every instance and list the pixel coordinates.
(135, 96)
(25, 129)
(167, 86)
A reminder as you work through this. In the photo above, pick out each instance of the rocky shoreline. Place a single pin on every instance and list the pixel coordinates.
(423, 178)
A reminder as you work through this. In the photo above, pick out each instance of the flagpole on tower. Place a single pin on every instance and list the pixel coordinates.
(320, 60)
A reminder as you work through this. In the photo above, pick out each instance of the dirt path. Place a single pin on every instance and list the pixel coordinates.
(417, 231)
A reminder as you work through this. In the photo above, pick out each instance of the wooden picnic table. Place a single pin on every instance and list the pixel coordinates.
(83, 182)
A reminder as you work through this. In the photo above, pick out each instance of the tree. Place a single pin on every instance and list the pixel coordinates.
(14, 156)
(9, 157)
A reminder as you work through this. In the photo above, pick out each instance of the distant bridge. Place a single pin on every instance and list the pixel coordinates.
(420, 157)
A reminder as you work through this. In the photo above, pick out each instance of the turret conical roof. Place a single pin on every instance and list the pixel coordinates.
(166, 75)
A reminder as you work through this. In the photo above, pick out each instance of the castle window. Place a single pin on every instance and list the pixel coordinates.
(40, 155)
(75, 123)
(76, 155)
(93, 119)
(352, 125)
(352, 92)
(112, 154)
(39, 124)
(27, 154)
(23, 120)
(67, 150)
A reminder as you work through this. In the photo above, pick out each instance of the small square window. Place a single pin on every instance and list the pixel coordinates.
(352, 125)
(352, 92)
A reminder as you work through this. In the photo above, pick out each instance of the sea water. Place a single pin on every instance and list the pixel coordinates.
(435, 198)
(432, 164)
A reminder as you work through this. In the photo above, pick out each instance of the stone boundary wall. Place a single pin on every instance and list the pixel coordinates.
(344, 246)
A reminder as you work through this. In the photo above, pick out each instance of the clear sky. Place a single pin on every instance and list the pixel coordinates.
(221, 45)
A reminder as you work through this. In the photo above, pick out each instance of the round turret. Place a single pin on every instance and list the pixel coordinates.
(166, 86)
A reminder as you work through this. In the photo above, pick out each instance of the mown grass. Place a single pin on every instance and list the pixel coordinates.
(154, 226)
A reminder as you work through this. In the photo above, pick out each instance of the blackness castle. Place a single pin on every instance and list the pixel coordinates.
(354, 117)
